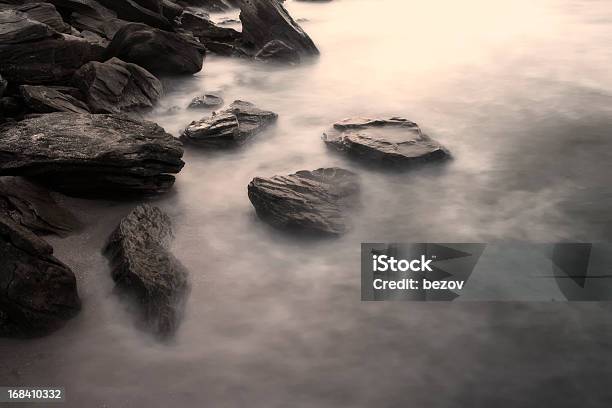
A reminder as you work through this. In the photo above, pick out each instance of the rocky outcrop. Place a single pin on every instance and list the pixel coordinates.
(171, 10)
(267, 20)
(38, 293)
(395, 141)
(42, 12)
(201, 26)
(278, 51)
(206, 101)
(312, 202)
(145, 270)
(159, 52)
(32, 207)
(91, 155)
(229, 127)
(42, 99)
(33, 53)
(115, 86)
(143, 11)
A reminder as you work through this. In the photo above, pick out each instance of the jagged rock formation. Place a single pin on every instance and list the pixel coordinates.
(43, 99)
(145, 270)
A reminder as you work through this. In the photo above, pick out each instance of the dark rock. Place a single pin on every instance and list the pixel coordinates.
(3, 85)
(114, 86)
(234, 49)
(229, 127)
(308, 201)
(145, 270)
(11, 107)
(158, 51)
(278, 51)
(211, 5)
(207, 101)
(394, 141)
(42, 99)
(68, 90)
(171, 10)
(91, 155)
(32, 207)
(201, 26)
(37, 292)
(42, 12)
(16, 27)
(147, 12)
(44, 56)
(228, 21)
(267, 20)
(94, 39)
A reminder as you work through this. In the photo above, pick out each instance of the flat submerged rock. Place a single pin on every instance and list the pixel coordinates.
(395, 141)
(313, 202)
(91, 155)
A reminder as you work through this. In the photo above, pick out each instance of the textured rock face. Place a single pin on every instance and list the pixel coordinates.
(206, 101)
(394, 141)
(16, 28)
(42, 12)
(229, 127)
(159, 52)
(32, 207)
(267, 20)
(42, 99)
(205, 29)
(37, 292)
(144, 11)
(145, 270)
(114, 86)
(91, 155)
(278, 51)
(311, 202)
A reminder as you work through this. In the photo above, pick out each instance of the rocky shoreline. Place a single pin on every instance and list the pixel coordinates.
(75, 77)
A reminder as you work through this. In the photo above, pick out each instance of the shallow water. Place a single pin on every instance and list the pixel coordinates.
(519, 91)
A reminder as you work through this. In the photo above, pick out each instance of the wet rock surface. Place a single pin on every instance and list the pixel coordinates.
(37, 292)
(42, 12)
(278, 51)
(91, 155)
(144, 269)
(395, 141)
(267, 20)
(206, 101)
(42, 99)
(229, 127)
(115, 86)
(155, 50)
(312, 202)
(33, 207)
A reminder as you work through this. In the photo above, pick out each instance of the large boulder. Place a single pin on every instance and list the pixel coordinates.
(33, 53)
(34, 208)
(43, 99)
(229, 127)
(267, 20)
(158, 51)
(278, 51)
(145, 270)
(395, 141)
(89, 15)
(91, 155)
(115, 86)
(38, 293)
(42, 12)
(200, 25)
(148, 12)
(311, 202)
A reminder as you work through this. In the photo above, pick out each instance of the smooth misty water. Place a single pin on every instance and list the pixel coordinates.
(519, 91)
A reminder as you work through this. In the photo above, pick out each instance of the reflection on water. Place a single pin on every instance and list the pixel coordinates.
(519, 91)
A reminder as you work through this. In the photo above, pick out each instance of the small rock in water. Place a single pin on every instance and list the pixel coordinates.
(32, 207)
(38, 293)
(229, 127)
(207, 101)
(144, 269)
(395, 141)
(308, 201)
